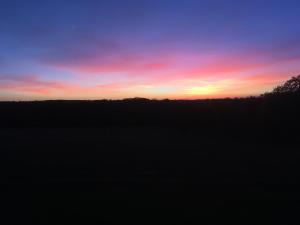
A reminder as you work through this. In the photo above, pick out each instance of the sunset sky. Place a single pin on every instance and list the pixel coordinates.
(177, 49)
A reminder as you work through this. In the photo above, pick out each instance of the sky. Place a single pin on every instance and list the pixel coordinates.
(176, 49)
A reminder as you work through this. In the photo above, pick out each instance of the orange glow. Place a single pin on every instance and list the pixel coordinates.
(161, 78)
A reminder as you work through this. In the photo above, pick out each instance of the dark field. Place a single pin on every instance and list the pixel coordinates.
(151, 162)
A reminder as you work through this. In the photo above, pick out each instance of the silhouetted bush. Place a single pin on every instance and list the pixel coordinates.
(291, 86)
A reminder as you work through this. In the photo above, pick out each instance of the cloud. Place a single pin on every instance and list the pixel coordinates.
(88, 56)
(251, 60)
(33, 85)
(111, 57)
(154, 73)
(30, 83)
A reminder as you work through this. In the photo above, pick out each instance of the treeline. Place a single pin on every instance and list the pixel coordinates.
(279, 108)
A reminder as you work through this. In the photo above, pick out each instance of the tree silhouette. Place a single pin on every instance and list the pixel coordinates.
(290, 86)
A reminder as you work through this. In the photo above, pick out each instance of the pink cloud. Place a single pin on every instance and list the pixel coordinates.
(180, 75)
(166, 67)
(130, 63)
(30, 84)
